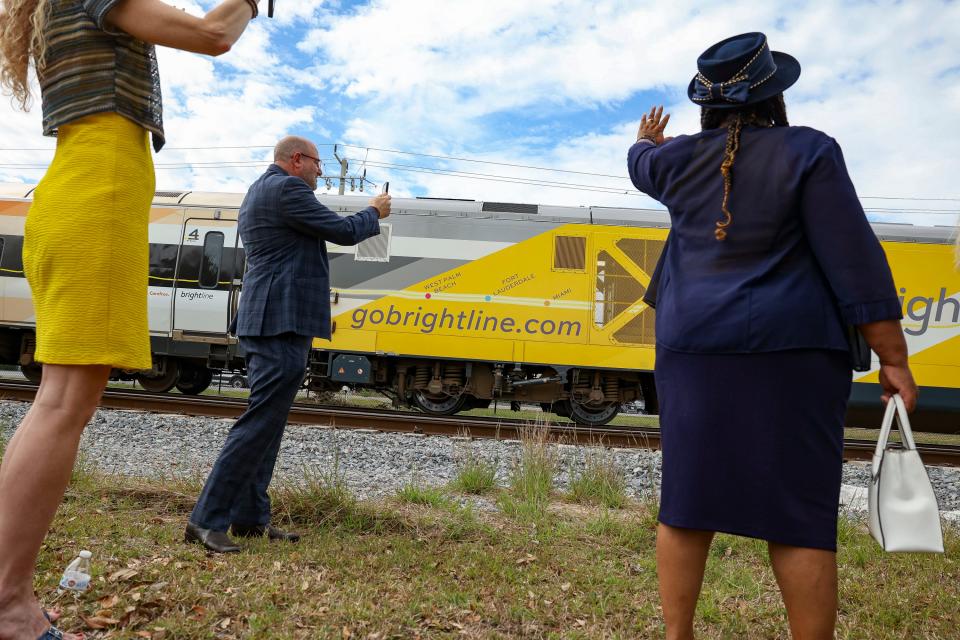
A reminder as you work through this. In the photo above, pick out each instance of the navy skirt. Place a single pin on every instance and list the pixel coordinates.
(753, 443)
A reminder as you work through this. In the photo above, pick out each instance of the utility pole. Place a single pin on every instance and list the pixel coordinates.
(343, 169)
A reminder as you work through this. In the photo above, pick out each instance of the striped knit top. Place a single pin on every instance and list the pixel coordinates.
(91, 67)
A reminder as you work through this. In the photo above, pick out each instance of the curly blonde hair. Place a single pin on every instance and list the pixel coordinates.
(22, 39)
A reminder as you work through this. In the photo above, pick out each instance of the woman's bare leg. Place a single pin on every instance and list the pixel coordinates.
(35, 471)
(808, 582)
(681, 559)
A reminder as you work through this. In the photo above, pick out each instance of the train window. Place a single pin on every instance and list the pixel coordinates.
(570, 253)
(616, 291)
(377, 248)
(12, 255)
(210, 263)
(163, 262)
(2, 244)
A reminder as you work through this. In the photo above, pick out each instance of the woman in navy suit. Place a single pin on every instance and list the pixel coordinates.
(770, 259)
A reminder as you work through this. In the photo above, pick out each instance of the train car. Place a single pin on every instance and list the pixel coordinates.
(460, 303)
(196, 264)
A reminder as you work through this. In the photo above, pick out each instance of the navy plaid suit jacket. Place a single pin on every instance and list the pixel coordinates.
(284, 230)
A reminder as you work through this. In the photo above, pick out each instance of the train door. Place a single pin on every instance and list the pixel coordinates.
(621, 267)
(165, 231)
(203, 289)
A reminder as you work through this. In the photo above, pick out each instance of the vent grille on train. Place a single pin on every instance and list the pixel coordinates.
(377, 248)
(169, 194)
(510, 207)
(616, 291)
(639, 330)
(570, 252)
(621, 290)
(644, 253)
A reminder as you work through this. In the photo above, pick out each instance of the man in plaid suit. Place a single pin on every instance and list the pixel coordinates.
(285, 303)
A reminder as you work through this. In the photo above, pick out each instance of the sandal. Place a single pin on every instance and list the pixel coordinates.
(52, 634)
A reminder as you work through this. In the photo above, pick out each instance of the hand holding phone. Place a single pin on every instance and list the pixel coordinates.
(381, 203)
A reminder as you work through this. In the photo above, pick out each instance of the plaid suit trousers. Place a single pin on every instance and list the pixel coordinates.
(236, 489)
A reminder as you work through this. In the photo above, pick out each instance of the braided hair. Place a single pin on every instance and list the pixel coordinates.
(772, 112)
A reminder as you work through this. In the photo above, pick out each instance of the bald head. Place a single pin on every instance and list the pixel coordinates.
(299, 157)
(290, 145)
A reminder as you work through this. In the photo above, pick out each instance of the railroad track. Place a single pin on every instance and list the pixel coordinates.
(412, 422)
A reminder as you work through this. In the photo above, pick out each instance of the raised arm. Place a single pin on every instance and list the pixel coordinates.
(156, 22)
(301, 210)
(639, 158)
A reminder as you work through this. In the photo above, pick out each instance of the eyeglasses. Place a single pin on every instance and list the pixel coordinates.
(317, 160)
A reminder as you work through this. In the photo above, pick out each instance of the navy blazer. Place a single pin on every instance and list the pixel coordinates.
(284, 230)
(800, 260)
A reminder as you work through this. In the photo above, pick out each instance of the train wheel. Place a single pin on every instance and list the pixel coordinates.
(163, 382)
(32, 372)
(439, 405)
(194, 380)
(591, 416)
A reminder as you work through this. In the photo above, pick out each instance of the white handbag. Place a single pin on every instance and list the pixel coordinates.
(904, 515)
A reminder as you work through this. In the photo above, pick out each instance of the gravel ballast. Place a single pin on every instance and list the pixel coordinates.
(372, 463)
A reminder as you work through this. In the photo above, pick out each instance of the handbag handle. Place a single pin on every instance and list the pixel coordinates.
(895, 407)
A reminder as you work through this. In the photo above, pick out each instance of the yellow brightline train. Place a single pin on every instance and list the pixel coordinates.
(458, 303)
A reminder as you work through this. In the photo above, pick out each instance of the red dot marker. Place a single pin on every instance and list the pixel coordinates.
(427, 296)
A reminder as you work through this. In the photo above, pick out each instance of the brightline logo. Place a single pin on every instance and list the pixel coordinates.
(476, 320)
(921, 309)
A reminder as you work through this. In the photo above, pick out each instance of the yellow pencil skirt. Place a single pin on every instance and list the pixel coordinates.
(86, 249)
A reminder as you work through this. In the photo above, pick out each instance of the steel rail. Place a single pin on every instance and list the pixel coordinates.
(413, 422)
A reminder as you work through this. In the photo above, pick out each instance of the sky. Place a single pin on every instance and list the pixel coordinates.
(538, 101)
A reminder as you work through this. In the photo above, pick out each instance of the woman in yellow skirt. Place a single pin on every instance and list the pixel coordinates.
(85, 243)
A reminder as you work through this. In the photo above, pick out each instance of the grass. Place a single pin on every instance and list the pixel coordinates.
(531, 478)
(388, 570)
(475, 475)
(415, 493)
(433, 569)
(601, 481)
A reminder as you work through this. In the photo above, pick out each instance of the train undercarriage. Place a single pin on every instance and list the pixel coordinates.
(591, 397)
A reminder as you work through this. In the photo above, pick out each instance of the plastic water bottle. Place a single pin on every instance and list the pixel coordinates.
(76, 577)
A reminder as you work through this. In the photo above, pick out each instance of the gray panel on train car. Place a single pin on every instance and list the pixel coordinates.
(630, 217)
(485, 229)
(410, 274)
(566, 215)
(401, 206)
(345, 272)
(912, 233)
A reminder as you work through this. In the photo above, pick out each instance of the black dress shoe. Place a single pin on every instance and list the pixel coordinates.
(269, 530)
(216, 541)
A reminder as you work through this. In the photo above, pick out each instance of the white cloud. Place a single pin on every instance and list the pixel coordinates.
(438, 77)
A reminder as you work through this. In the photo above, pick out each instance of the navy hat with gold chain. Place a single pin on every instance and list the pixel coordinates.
(740, 71)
